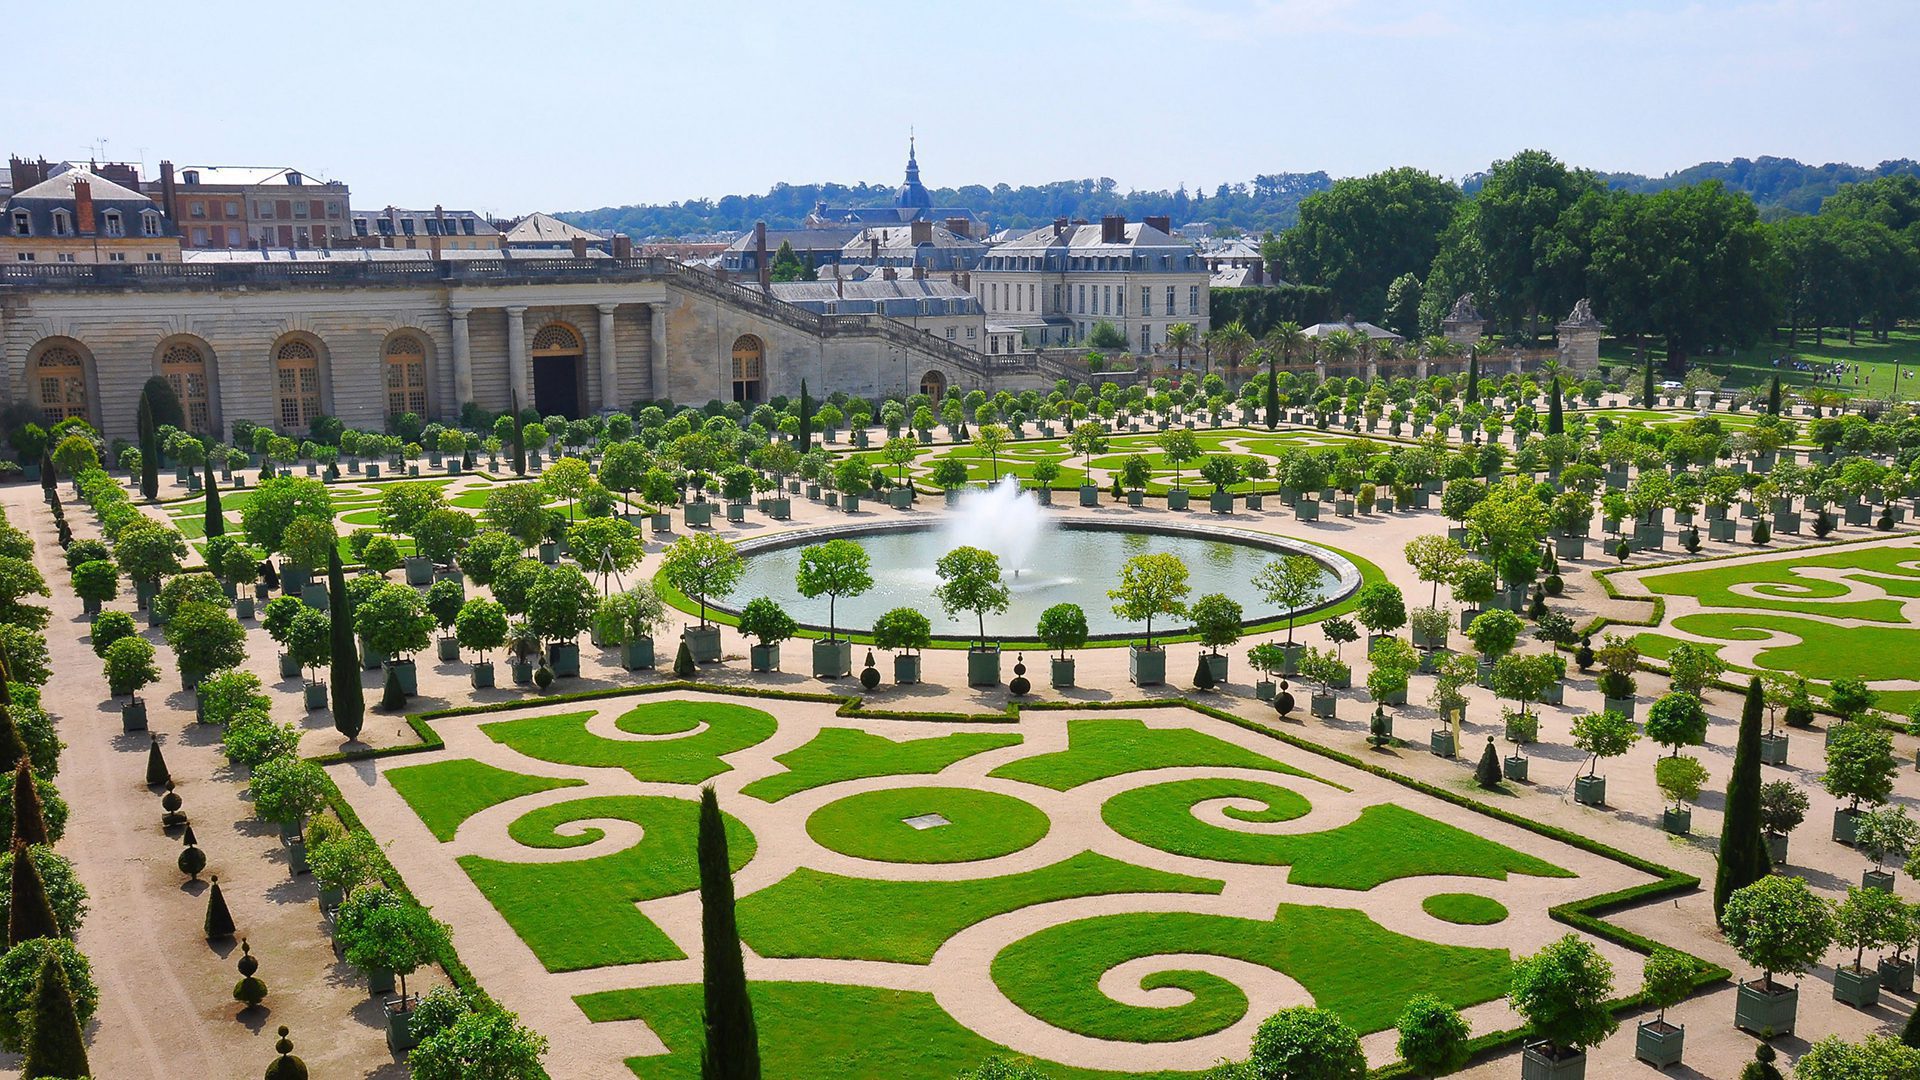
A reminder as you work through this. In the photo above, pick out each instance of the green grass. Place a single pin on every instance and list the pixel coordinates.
(1385, 843)
(1102, 747)
(1824, 651)
(1346, 961)
(446, 793)
(1467, 909)
(1781, 588)
(581, 914)
(838, 754)
(564, 739)
(1751, 367)
(821, 1030)
(985, 825)
(811, 913)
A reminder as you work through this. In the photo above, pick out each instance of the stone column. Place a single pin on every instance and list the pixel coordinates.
(609, 361)
(657, 377)
(462, 360)
(519, 371)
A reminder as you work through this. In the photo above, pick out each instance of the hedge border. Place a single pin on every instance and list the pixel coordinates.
(1585, 915)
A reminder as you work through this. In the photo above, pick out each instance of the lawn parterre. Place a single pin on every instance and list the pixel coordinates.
(1139, 868)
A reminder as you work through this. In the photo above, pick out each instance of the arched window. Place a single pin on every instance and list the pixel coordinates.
(297, 368)
(62, 382)
(185, 369)
(406, 363)
(749, 368)
(556, 339)
(933, 384)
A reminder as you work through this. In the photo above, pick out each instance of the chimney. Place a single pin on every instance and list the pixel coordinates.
(960, 226)
(839, 283)
(83, 207)
(1113, 229)
(1259, 272)
(433, 245)
(921, 232)
(1059, 226)
(873, 249)
(760, 255)
(966, 280)
(919, 272)
(888, 273)
(1163, 223)
(622, 246)
(169, 194)
(579, 244)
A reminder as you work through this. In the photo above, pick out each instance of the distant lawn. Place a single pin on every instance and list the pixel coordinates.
(446, 793)
(821, 1030)
(1753, 367)
(564, 739)
(1385, 843)
(1100, 748)
(577, 915)
(872, 825)
(1781, 588)
(838, 754)
(812, 913)
(1824, 651)
(1466, 909)
(1346, 961)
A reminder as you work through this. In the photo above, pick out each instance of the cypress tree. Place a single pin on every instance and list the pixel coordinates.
(29, 819)
(216, 521)
(31, 913)
(54, 1046)
(1473, 378)
(1773, 396)
(12, 746)
(1273, 391)
(349, 701)
(1646, 384)
(149, 450)
(1556, 424)
(806, 418)
(1487, 773)
(1743, 856)
(157, 772)
(219, 921)
(732, 1049)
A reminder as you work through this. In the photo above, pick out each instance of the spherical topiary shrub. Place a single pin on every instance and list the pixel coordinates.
(192, 860)
(286, 1066)
(250, 989)
(20, 972)
(870, 675)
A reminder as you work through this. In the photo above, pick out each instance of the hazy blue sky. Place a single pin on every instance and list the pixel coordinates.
(508, 107)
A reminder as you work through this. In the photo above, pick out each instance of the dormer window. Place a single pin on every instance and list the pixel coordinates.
(114, 226)
(22, 223)
(149, 223)
(62, 223)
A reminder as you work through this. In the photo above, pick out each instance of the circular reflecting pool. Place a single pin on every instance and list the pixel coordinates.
(1069, 563)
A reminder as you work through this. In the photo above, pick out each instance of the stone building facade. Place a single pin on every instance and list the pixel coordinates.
(280, 343)
(1056, 283)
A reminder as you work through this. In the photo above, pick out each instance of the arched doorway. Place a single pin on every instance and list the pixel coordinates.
(749, 368)
(934, 385)
(60, 384)
(296, 365)
(405, 363)
(184, 365)
(556, 370)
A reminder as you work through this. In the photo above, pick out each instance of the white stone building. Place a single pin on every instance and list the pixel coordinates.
(1057, 282)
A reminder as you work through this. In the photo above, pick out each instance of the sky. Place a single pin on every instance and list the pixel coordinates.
(506, 108)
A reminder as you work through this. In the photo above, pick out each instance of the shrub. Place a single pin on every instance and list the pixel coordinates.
(1877, 1057)
(1860, 765)
(252, 739)
(380, 554)
(341, 860)
(393, 621)
(1563, 991)
(130, 666)
(229, 694)
(489, 1042)
(1304, 1043)
(1216, 619)
(1433, 1036)
(767, 622)
(98, 581)
(109, 627)
(1677, 719)
(481, 626)
(20, 972)
(205, 639)
(395, 937)
(906, 630)
(288, 790)
(184, 589)
(1679, 779)
(53, 809)
(1778, 925)
(1669, 976)
(1783, 806)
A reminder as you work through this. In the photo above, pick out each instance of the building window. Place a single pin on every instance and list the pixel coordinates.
(1146, 300)
(62, 382)
(197, 209)
(185, 369)
(199, 236)
(1082, 306)
(62, 223)
(1169, 299)
(22, 223)
(993, 347)
(233, 210)
(1146, 337)
(406, 377)
(24, 256)
(299, 210)
(971, 332)
(263, 208)
(233, 236)
(111, 219)
(333, 209)
(297, 368)
(1193, 299)
(116, 256)
(65, 256)
(749, 368)
(149, 223)
(154, 256)
(950, 333)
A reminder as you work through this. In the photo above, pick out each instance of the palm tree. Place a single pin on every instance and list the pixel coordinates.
(1287, 339)
(1180, 336)
(1338, 347)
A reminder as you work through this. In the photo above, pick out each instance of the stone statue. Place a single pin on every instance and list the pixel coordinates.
(1582, 314)
(1464, 310)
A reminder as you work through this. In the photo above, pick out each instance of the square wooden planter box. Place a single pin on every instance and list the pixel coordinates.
(1514, 768)
(906, 669)
(1146, 666)
(1860, 989)
(1440, 744)
(1590, 790)
(1060, 672)
(763, 658)
(1773, 749)
(1659, 1044)
(831, 659)
(1763, 1014)
(1896, 975)
(1678, 822)
(983, 666)
(703, 642)
(1538, 1063)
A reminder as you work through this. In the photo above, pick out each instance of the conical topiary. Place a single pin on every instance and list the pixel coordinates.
(1203, 674)
(1487, 773)
(1762, 1066)
(192, 860)
(250, 989)
(171, 816)
(286, 1066)
(30, 913)
(219, 922)
(869, 675)
(393, 696)
(29, 817)
(12, 747)
(158, 774)
(683, 662)
(53, 1044)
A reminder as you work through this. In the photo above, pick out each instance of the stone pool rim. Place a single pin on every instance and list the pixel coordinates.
(1348, 576)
